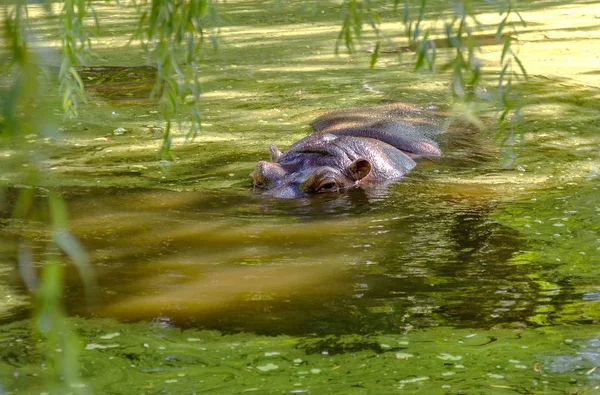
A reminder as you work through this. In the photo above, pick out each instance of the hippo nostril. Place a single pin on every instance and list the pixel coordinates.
(266, 174)
(254, 176)
(259, 179)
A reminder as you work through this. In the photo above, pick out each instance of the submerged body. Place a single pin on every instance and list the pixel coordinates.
(351, 148)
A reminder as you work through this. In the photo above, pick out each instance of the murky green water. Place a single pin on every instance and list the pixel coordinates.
(465, 277)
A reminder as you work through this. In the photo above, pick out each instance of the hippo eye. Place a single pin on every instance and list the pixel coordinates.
(327, 185)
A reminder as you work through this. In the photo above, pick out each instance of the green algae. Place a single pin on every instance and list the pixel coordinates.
(562, 229)
(466, 277)
(142, 358)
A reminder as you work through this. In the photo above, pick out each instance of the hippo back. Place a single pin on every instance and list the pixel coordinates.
(406, 127)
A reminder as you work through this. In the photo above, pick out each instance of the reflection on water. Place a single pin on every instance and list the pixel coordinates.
(354, 263)
(422, 252)
(426, 251)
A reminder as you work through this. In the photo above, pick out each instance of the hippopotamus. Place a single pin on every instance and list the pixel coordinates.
(351, 148)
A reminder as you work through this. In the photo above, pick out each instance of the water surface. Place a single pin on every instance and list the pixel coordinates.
(467, 276)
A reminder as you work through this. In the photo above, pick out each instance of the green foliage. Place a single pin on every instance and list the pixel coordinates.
(172, 33)
(354, 12)
(76, 49)
(38, 212)
(62, 346)
(462, 43)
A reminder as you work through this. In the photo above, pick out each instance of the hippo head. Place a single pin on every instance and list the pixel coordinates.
(284, 180)
(351, 147)
(327, 163)
(320, 163)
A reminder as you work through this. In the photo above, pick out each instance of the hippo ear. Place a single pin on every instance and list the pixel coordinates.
(275, 153)
(359, 169)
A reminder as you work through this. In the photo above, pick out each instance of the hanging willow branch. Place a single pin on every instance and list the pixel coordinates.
(37, 208)
(461, 38)
(172, 33)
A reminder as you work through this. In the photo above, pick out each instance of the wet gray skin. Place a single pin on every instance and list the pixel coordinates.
(353, 148)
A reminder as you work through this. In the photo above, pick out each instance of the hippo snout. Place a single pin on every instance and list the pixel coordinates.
(266, 174)
(274, 180)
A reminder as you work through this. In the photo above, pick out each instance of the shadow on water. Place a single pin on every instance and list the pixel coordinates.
(410, 254)
(350, 264)
(132, 84)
